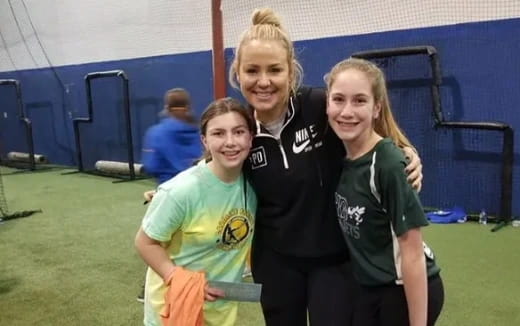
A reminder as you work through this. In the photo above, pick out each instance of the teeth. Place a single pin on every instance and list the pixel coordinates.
(263, 94)
(231, 153)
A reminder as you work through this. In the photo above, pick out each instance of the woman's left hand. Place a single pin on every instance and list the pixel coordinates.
(414, 168)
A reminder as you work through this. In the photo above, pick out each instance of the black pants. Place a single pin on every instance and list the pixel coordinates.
(292, 286)
(387, 305)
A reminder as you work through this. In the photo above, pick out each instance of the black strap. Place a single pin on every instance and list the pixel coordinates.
(245, 191)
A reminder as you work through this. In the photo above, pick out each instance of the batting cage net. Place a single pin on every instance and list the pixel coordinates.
(479, 78)
(4, 211)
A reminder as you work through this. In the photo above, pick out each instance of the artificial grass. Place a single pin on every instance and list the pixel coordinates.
(75, 264)
(481, 273)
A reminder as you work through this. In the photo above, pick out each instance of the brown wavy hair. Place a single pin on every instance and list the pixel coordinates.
(223, 106)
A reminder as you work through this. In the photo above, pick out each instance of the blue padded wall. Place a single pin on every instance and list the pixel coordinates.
(481, 82)
(54, 98)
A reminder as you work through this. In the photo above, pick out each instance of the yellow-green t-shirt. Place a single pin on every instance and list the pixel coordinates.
(207, 225)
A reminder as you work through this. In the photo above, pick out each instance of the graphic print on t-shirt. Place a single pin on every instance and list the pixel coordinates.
(349, 217)
(233, 229)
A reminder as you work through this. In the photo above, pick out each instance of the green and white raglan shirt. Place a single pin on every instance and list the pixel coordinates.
(375, 205)
(208, 226)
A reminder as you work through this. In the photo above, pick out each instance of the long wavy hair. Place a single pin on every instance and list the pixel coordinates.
(385, 124)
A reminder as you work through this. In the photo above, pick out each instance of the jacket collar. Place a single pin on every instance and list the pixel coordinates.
(289, 115)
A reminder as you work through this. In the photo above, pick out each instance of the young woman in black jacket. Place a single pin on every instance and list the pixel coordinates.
(298, 254)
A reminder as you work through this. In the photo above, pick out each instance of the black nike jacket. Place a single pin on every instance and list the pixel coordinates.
(295, 178)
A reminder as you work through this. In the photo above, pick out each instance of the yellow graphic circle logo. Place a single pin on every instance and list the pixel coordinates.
(234, 230)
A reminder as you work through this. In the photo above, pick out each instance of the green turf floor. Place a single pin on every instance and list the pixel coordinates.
(75, 264)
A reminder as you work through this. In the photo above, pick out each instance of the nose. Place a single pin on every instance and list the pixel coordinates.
(230, 140)
(263, 80)
(346, 110)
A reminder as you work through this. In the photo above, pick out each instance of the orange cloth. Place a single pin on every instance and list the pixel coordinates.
(184, 298)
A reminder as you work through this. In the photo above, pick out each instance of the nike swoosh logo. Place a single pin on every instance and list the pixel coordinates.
(299, 148)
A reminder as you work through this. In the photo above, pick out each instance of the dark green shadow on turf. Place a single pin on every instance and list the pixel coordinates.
(8, 284)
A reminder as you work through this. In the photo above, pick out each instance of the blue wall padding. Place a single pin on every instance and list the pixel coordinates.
(481, 82)
(52, 104)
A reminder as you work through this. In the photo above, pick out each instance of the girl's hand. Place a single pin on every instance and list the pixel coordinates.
(414, 168)
(148, 195)
(212, 294)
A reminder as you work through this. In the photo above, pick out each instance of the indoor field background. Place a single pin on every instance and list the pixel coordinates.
(74, 264)
(50, 45)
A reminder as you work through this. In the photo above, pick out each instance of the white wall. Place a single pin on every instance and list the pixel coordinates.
(81, 31)
(312, 19)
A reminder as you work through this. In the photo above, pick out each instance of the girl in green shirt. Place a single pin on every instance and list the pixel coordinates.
(378, 211)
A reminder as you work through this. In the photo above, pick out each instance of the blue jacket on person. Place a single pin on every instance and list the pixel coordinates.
(171, 146)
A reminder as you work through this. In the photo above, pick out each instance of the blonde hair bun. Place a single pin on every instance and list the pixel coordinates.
(266, 16)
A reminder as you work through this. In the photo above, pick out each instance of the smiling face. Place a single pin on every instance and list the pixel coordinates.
(351, 108)
(264, 77)
(228, 139)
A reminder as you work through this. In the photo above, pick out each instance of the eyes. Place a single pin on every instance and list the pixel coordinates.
(337, 99)
(357, 100)
(222, 133)
(254, 70)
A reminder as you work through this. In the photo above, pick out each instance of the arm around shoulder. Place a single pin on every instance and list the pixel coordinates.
(414, 168)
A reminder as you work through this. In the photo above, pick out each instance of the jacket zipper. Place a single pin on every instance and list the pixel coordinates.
(278, 140)
(285, 162)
